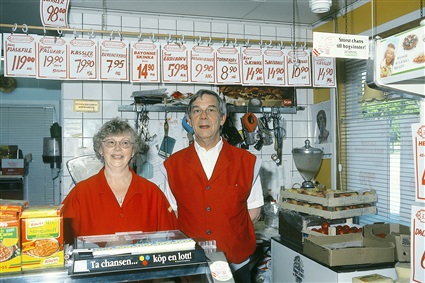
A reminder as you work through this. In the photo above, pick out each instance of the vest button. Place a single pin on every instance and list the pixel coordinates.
(122, 215)
(208, 187)
(208, 232)
(208, 209)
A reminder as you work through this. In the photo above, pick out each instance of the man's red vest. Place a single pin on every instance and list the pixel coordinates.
(215, 209)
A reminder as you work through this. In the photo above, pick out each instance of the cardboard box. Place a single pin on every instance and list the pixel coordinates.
(10, 247)
(12, 166)
(327, 214)
(331, 198)
(348, 249)
(291, 224)
(42, 237)
(11, 205)
(332, 231)
(395, 233)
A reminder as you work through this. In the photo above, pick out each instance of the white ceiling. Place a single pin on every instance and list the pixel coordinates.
(255, 10)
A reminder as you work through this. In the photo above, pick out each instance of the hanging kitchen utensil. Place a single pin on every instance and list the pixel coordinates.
(279, 134)
(264, 132)
(230, 133)
(188, 129)
(168, 143)
(249, 126)
(144, 131)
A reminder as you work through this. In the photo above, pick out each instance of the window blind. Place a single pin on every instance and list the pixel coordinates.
(376, 147)
(26, 126)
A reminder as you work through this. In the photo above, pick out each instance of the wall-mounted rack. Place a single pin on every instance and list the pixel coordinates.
(230, 108)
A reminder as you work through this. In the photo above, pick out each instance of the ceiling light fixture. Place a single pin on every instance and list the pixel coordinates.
(320, 6)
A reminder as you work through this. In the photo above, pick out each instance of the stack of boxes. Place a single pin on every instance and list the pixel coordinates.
(30, 237)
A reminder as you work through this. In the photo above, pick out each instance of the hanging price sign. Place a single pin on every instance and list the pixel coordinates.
(52, 58)
(113, 59)
(54, 13)
(274, 67)
(418, 137)
(202, 64)
(324, 74)
(174, 58)
(252, 66)
(83, 60)
(20, 55)
(144, 62)
(417, 244)
(228, 64)
(298, 68)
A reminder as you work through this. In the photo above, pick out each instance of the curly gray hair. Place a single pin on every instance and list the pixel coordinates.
(114, 127)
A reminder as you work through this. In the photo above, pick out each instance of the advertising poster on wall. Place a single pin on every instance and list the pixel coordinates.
(321, 123)
(340, 45)
(418, 138)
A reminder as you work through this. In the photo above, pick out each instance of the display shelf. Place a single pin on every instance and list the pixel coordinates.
(230, 108)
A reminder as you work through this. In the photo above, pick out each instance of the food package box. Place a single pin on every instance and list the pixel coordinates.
(12, 166)
(11, 205)
(374, 278)
(42, 237)
(395, 233)
(10, 248)
(350, 249)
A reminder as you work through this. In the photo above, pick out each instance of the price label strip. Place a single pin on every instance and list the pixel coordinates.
(252, 66)
(174, 59)
(228, 65)
(299, 66)
(144, 62)
(113, 58)
(83, 61)
(324, 72)
(20, 55)
(274, 67)
(202, 64)
(52, 58)
(54, 13)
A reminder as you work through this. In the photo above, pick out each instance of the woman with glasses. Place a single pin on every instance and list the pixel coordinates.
(116, 199)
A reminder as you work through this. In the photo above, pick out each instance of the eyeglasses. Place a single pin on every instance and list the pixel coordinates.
(123, 144)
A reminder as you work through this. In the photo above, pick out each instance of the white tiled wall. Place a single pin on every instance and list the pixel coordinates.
(78, 128)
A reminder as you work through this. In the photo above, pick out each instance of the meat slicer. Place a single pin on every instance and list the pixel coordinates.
(307, 159)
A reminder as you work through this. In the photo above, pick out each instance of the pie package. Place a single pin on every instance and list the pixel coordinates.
(42, 237)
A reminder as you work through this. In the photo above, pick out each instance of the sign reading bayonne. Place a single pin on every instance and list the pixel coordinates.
(340, 45)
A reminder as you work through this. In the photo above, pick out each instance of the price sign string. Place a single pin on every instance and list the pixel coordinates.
(153, 36)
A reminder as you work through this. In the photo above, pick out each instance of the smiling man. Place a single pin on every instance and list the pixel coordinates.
(214, 187)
